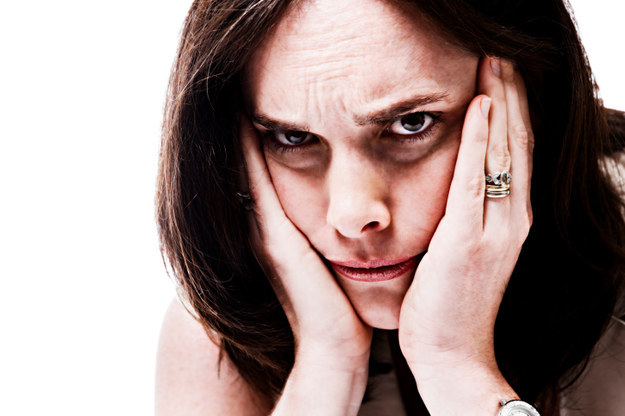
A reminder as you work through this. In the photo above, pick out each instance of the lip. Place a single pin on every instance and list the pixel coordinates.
(375, 270)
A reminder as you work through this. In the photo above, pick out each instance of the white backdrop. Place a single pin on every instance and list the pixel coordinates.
(83, 288)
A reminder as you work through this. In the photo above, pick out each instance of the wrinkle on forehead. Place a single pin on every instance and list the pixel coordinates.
(325, 57)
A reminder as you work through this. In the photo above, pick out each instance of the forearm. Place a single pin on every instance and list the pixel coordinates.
(321, 388)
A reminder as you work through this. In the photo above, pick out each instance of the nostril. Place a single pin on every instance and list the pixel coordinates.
(370, 226)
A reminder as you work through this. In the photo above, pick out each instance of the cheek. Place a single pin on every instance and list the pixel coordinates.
(301, 196)
(420, 195)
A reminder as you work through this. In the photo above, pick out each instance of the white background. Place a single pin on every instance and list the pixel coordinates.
(83, 288)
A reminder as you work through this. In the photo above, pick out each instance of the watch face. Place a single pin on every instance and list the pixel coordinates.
(518, 408)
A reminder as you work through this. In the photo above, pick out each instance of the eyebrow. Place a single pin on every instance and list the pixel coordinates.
(380, 117)
(385, 116)
(276, 125)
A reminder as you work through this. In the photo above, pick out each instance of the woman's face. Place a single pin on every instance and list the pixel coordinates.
(360, 106)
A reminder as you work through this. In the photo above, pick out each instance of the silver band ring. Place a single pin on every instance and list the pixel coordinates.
(498, 184)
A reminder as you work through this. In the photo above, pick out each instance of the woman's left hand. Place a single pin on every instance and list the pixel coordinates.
(447, 319)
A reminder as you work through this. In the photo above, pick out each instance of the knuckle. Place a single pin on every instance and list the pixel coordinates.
(467, 192)
(522, 135)
(476, 185)
(503, 155)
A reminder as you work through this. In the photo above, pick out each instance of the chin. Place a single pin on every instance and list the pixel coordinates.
(380, 319)
(377, 304)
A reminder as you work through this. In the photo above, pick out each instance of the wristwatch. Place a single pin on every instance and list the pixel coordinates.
(517, 408)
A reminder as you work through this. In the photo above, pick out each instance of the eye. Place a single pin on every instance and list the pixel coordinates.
(411, 124)
(293, 138)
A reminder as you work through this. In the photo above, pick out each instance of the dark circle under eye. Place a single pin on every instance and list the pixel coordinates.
(411, 124)
(293, 137)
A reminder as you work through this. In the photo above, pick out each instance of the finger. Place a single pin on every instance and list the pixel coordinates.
(297, 274)
(520, 136)
(498, 155)
(275, 227)
(266, 204)
(465, 203)
(490, 83)
(260, 188)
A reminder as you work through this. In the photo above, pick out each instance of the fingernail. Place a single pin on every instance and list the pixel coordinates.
(495, 66)
(485, 106)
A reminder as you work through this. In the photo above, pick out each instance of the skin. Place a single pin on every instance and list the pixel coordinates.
(311, 74)
(358, 193)
(354, 193)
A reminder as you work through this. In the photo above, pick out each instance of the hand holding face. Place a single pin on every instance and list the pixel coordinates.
(448, 315)
(322, 319)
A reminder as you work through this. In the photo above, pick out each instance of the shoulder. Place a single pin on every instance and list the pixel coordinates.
(599, 390)
(614, 161)
(614, 167)
(191, 379)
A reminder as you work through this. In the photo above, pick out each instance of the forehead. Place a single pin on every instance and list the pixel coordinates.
(354, 53)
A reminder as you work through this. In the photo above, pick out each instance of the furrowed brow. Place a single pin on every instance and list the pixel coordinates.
(277, 125)
(385, 116)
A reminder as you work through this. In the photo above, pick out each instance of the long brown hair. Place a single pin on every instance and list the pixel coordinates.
(570, 272)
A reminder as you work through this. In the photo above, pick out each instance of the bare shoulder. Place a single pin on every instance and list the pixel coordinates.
(189, 379)
(614, 167)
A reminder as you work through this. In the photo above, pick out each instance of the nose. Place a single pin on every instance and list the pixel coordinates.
(357, 198)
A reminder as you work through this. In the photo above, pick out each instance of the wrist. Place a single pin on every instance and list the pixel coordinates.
(321, 357)
(468, 389)
(318, 386)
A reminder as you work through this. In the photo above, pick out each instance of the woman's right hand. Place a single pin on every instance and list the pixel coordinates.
(332, 344)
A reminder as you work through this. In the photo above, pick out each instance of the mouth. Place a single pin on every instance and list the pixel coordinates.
(376, 270)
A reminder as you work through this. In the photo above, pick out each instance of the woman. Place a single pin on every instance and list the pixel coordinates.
(323, 174)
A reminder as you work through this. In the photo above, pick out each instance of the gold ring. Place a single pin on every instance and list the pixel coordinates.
(498, 184)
